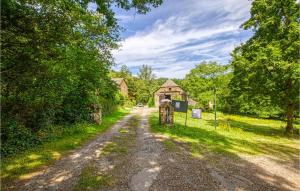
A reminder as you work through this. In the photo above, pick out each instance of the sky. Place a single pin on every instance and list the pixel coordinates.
(179, 34)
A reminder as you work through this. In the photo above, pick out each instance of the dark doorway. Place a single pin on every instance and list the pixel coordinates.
(168, 97)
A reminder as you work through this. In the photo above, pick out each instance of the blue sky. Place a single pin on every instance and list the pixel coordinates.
(176, 36)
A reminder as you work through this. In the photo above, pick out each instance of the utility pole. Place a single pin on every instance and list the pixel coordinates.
(215, 107)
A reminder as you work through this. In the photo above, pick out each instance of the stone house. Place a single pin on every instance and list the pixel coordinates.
(192, 102)
(169, 90)
(122, 86)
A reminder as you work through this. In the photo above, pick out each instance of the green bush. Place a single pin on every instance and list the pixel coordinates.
(129, 102)
(16, 138)
(151, 102)
(119, 99)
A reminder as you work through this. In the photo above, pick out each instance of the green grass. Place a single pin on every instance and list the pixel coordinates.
(170, 145)
(114, 148)
(91, 179)
(63, 140)
(122, 130)
(234, 135)
(121, 142)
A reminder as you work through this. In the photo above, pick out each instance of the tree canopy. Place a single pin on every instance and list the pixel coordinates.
(268, 64)
(55, 61)
(204, 78)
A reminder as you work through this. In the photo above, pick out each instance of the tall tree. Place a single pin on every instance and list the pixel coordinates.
(146, 73)
(55, 59)
(268, 63)
(201, 82)
(125, 72)
(145, 84)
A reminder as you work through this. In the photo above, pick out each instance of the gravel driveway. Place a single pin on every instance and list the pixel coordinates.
(135, 159)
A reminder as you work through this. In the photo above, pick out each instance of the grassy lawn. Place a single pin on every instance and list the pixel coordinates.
(234, 135)
(63, 140)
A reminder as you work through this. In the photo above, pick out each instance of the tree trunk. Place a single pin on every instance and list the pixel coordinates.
(290, 118)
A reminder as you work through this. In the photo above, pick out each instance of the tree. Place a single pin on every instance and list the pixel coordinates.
(267, 65)
(146, 84)
(125, 72)
(204, 78)
(146, 73)
(55, 60)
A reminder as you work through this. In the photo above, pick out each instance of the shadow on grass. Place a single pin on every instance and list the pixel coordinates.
(264, 130)
(220, 154)
(215, 141)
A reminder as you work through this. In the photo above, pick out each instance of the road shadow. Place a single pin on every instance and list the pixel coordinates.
(264, 130)
(221, 157)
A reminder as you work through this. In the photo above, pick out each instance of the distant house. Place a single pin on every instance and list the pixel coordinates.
(122, 85)
(192, 102)
(169, 90)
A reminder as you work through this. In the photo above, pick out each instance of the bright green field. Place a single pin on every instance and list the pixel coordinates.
(63, 140)
(234, 135)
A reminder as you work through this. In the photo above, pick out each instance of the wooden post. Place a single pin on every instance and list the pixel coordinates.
(215, 107)
(185, 118)
(159, 119)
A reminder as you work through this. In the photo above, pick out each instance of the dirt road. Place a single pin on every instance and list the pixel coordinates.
(130, 157)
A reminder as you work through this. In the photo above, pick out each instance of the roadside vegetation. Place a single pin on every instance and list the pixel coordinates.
(234, 134)
(55, 71)
(59, 140)
(91, 179)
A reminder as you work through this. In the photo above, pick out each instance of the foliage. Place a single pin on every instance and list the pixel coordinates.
(202, 80)
(120, 99)
(146, 84)
(259, 106)
(130, 81)
(55, 61)
(177, 81)
(151, 102)
(146, 73)
(267, 66)
(17, 138)
(55, 141)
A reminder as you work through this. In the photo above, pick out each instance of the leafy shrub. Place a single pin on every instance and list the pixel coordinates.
(151, 102)
(129, 102)
(119, 99)
(16, 138)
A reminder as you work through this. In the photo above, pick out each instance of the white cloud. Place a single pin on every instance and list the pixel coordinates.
(173, 45)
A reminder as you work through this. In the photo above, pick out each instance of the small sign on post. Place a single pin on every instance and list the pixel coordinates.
(196, 113)
(181, 106)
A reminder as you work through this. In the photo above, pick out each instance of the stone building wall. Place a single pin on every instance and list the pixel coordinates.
(173, 92)
(123, 88)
